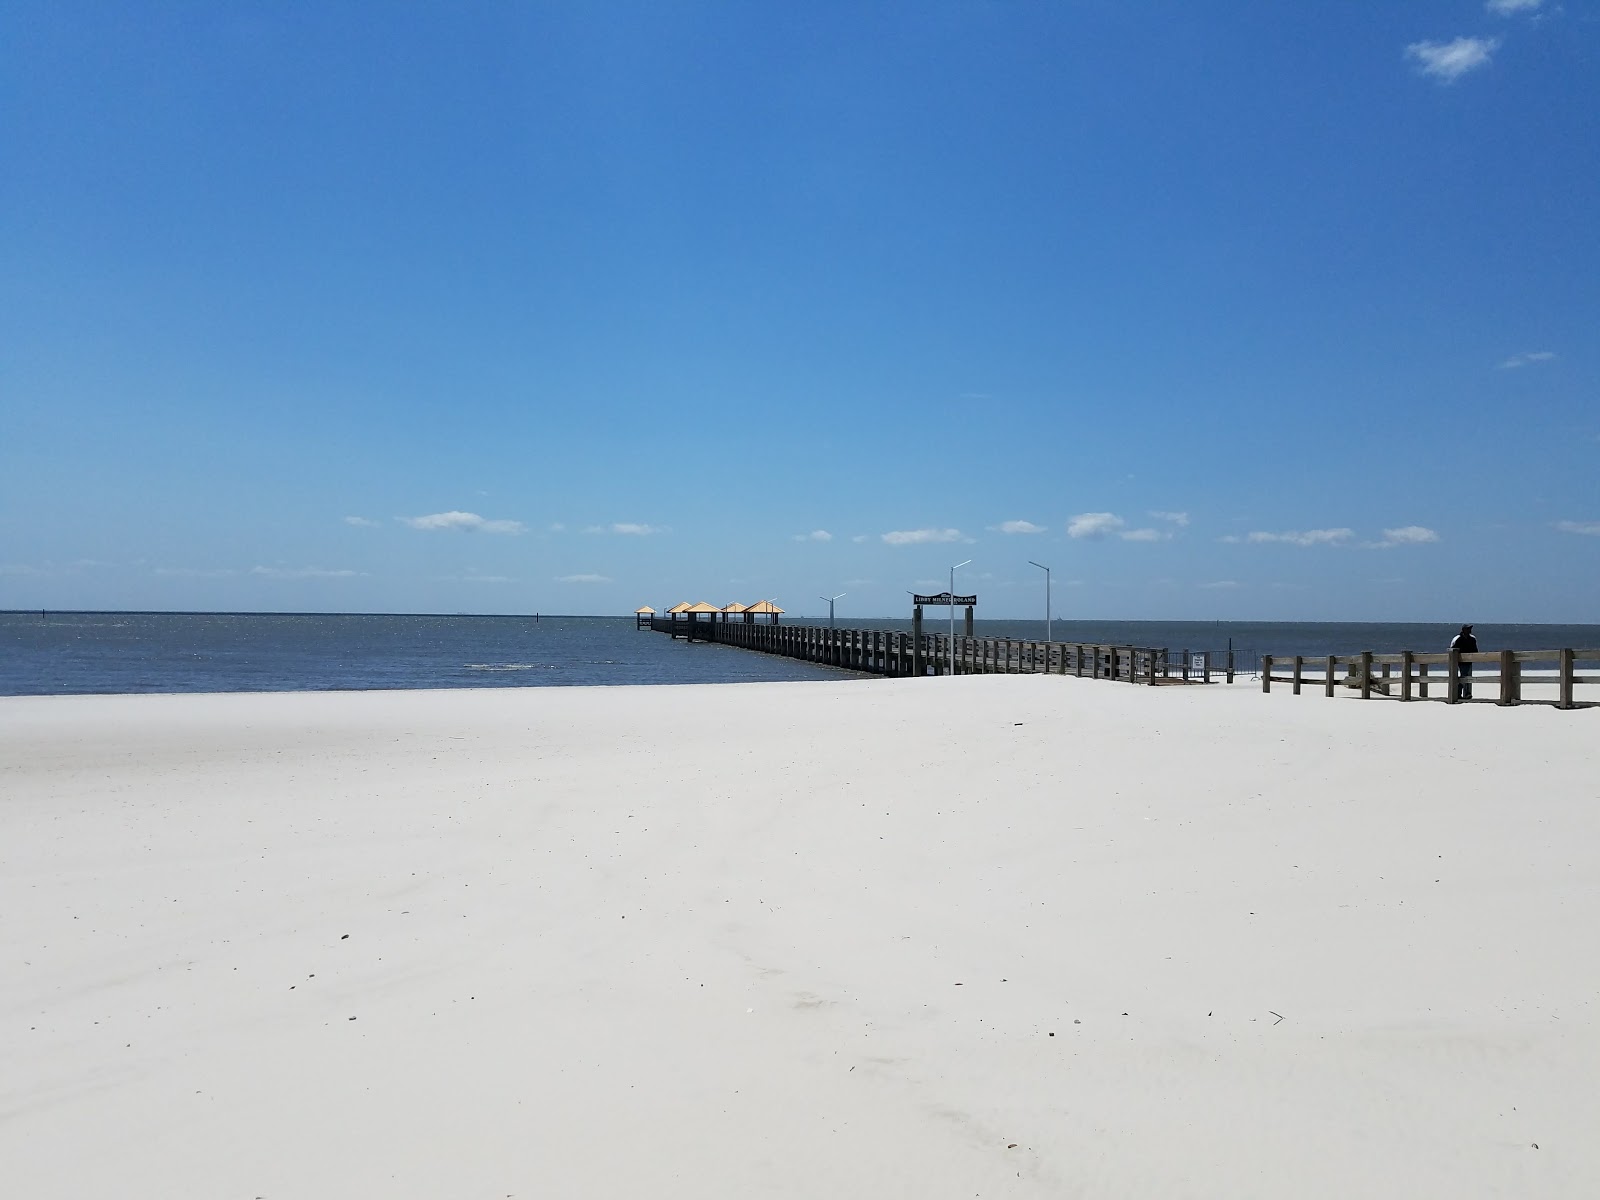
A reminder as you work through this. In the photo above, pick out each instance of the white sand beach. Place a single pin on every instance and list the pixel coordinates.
(984, 936)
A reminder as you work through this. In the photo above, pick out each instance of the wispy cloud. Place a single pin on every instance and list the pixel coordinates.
(1296, 537)
(816, 535)
(1406, 535)
(196, 572)
(462, 522)
(362, 522)
(1588, 528)
(1218, 585)
(1103, 524)
(22, 570)
(1527, 360)
(921, 537)
(1449, 61)
(861, 537)
(1506, 8)
(1017, 527)
(303, 573)
(1180, 519)
(627, 529)
(1094, 525)
(586, 578)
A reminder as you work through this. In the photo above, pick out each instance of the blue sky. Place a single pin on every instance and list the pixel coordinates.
(1226, 310)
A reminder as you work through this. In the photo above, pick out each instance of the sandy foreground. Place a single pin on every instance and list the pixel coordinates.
(983, 936)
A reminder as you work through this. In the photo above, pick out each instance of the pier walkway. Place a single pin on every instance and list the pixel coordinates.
(898, 653)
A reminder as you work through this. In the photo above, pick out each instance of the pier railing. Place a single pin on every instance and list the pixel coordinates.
(1504, 676)
(898, 653)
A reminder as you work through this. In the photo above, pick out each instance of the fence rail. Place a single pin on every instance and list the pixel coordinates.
(1408, 675)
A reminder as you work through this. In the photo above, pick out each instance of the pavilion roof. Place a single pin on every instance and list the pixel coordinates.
(681, 606)
(764, 606)
(642, 609)
(702, 607)
(733, 608)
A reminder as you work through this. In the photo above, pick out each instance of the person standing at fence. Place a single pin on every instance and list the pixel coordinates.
(1467, 644)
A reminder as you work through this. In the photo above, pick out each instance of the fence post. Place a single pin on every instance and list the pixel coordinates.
(1230, 661)
(1298, 662)
(1508, 678)
(1405, 674)
(1330, 670)
(1452, 676)
(1422, 681)
(1366, 674)
(1266, 672)
(1566, 663)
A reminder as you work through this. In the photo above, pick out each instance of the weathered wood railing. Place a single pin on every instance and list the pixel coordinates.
(1407, 675)
(898, 653)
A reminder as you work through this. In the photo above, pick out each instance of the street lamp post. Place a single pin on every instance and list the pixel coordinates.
(953, 615)
(830, 600)
(1046, 571)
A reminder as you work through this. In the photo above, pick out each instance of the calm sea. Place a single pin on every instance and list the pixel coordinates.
(65, 653)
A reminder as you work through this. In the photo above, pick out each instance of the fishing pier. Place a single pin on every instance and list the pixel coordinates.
(919, 652)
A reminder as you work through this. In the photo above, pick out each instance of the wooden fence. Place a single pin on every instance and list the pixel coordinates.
(1408, 675)
(897, 653)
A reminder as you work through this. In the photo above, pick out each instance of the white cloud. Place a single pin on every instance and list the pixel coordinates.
(21, 569)
(362, 522)
(1448, 61)
(196, 572)
(920, 537)
(1310, 537)
(464, 522)
(816, 535)
(557, 527)
(1180, 519)
(303, 573)
(627, 528)
(1017, 527)
(1589, 528)
(1408, 535)
(1094, 525)
(589, 578)
(861, 537)
(1220, 584)
(1144, 535)
(1506, 8)
(1527, 360)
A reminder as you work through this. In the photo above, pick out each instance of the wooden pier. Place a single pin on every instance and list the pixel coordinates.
(898, 653)
(1408, 675)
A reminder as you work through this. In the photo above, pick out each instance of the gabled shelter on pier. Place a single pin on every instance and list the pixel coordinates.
(763, 608)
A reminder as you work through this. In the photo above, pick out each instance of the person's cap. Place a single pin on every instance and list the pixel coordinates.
(1466, 629)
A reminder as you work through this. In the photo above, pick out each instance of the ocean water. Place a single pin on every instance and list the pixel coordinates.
(79, 653)
(115, 653)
